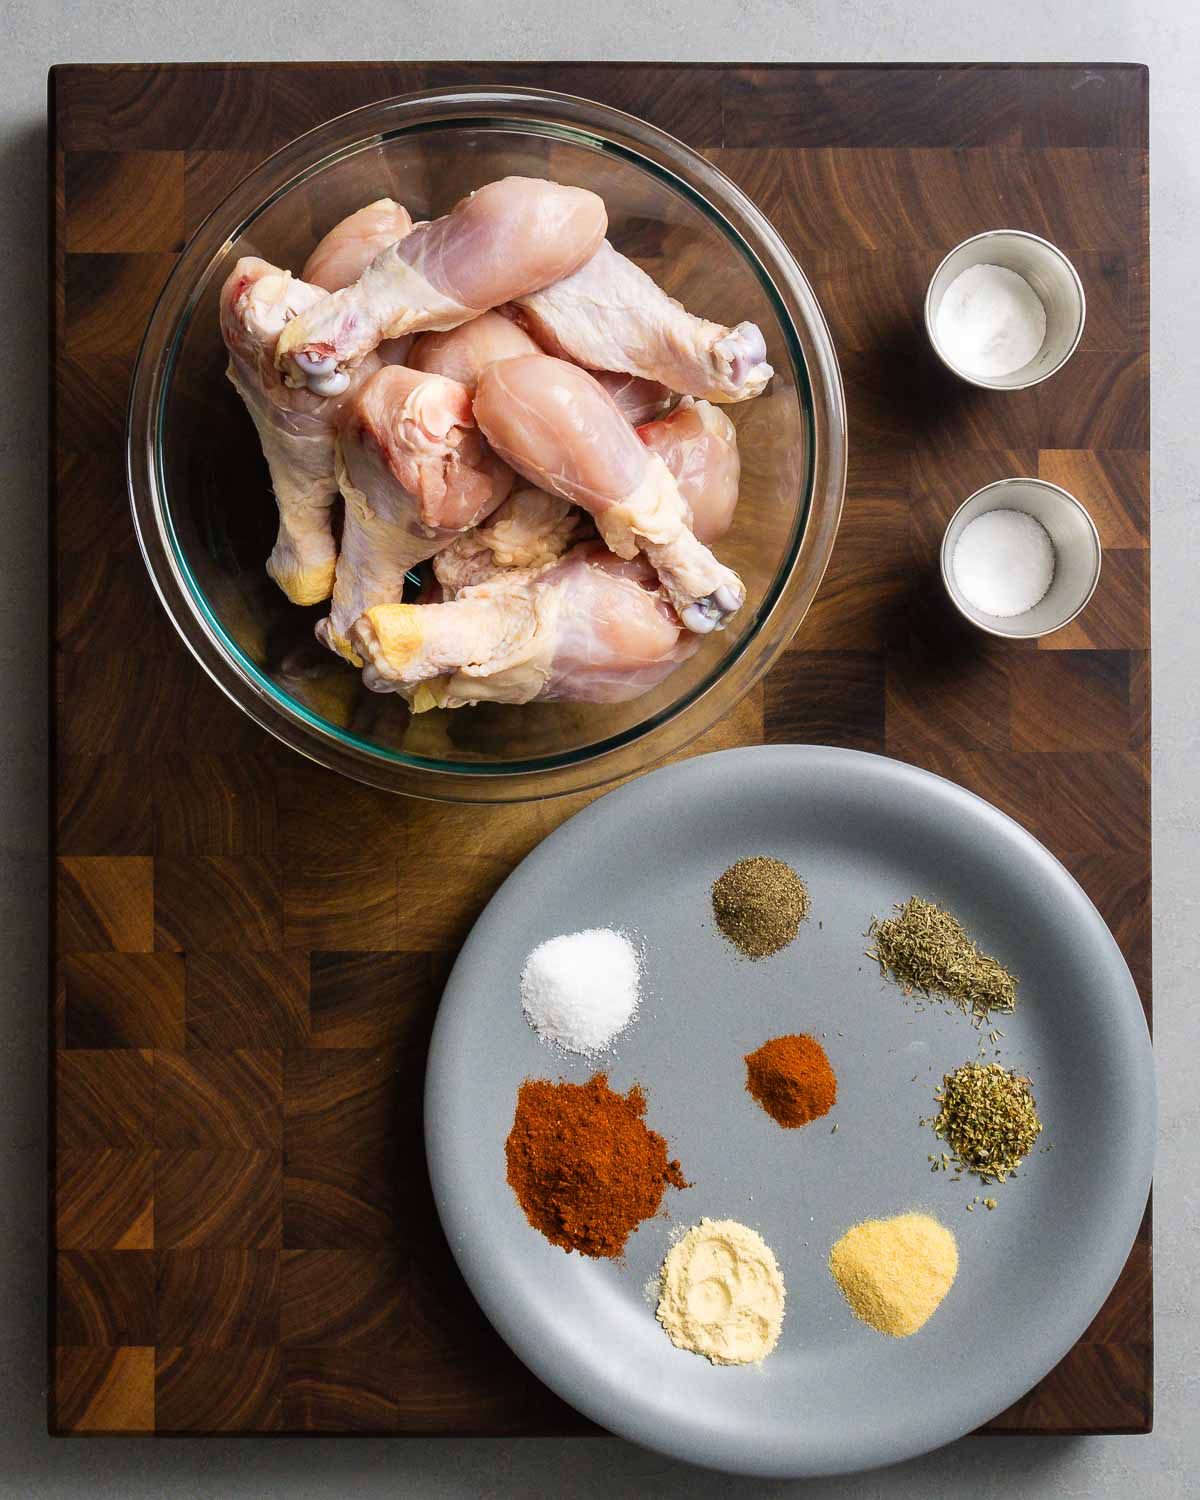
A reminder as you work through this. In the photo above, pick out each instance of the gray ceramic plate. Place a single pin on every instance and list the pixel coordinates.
(864, 832)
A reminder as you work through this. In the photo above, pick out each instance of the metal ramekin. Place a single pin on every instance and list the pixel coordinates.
(1077, 555)
(1048, 272)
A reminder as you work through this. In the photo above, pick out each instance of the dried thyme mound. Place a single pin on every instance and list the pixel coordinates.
(988, 1118)
(759, 904)
(927, 949)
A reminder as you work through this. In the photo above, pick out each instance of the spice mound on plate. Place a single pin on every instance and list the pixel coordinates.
(721, 1293)
(894, 1273)
(988, 1118)
(791, 1078)
(584, 1165)
(580, 990)
(759, 904)
(927, 949)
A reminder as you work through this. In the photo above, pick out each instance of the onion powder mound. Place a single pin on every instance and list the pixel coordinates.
(581, 990)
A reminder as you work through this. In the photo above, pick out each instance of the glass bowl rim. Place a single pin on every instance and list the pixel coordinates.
(595, 127)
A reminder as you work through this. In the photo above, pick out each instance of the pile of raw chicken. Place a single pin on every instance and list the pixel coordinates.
(492, 393)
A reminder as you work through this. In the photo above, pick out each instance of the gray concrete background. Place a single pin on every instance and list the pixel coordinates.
(37, 33)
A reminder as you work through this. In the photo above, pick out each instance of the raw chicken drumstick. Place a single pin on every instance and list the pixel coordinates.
(350, 247)
(637, 399)
(590, 628)
(465, 352)
(553, 423)
(509, 238)
(296, 428)
(353, 243)
(698, 443)
(415, 474)
(529, 530)
(610, 315)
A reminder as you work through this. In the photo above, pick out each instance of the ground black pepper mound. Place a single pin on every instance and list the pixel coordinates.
(759, 904)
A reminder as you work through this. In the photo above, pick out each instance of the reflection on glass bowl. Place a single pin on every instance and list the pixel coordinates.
(202, 504)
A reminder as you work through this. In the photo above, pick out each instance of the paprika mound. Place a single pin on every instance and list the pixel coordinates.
(791, 1078)
(584, 1165)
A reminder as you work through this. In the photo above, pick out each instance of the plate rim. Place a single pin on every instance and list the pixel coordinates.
(621, 1422)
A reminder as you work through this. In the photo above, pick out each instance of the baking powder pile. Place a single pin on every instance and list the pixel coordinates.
(721, 1293)
(991, 321)
(1004, 562)
(581, 990)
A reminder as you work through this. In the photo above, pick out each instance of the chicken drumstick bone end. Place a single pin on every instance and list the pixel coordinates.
(412, 642)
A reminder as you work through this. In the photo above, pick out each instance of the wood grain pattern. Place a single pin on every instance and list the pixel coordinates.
(215, 902)
(104, 1390)
(106, 709)
(124, 200)
(250, 950)
(247, 999)
(827, 697)
(1117, 485)
(104, 1199)
(369, 999)
(218, 1198)
(92, 511)
(216, 804)
(105, 903)
(335, 1298)
(203, 1390)
(105, 1298)
(104, 805)
(123, 999)
(105, 1098)
(340, 1390)
(219, 1099)
(106, 601)
(216, 1299)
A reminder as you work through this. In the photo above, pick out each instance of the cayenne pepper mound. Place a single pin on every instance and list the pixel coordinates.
(584, 1165)
(791, 1078)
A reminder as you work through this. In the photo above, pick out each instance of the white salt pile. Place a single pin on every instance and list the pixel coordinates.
(1003, 562)
(581, 990)
(991, 321)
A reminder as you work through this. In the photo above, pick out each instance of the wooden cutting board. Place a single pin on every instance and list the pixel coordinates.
(249, 950)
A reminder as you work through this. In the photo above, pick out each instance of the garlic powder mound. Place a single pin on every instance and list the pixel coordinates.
(721, 1293)
(894, 1273)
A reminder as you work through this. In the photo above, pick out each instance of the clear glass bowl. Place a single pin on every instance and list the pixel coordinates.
(198, 484)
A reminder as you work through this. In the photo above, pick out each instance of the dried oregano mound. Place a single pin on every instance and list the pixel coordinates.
(927, 949)
(988, 1118)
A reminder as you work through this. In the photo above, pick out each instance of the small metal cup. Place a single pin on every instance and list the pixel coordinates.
(1076, 555)
(1048, 272)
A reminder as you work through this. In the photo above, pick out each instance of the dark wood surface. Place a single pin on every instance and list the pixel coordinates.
(249, 951)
